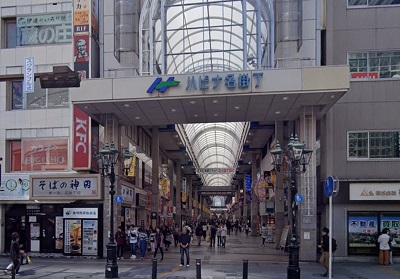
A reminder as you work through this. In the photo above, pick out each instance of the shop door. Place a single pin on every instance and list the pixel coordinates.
(15, 224)
(47, 237)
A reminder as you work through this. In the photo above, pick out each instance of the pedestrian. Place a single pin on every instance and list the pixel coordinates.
(176, 235)
(159, 243)
(133, 237)
(199, 234)
(120, 237)
(384, 247)
(15, 252)
(167, 237)
(263, 233)
(204, 230)
(184, 241)
(223, 235)
(143, 238)
(219, 229)
(213, 233)
(324, 260)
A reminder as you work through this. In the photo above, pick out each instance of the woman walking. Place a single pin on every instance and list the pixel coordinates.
(142, 243)
(159, 243)
(120, 238)
(223, 235)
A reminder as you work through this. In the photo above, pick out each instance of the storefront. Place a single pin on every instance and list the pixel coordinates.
(143, 207)
(54, 213)
(368, 208)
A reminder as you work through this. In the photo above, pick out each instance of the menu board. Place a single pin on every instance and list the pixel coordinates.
(90, 237)
(363, 231)
(73, 237)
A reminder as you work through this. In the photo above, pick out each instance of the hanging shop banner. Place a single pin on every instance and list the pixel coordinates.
(363, 231)
(131, 172)
(215, 170)
(127, 194)
(393, 224)
(375, 191)
(81, 140)
(95, 19)
(29, 75)
(95, 139)
(66, 187)
(14, 187)
(44, 154)
(184, 197)
(165, 188)
(259, 190)
(44, 29)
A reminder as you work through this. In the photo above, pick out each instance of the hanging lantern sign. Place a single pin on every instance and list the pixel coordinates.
(260, 190)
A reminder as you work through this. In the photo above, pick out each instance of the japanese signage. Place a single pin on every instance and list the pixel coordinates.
(44, 154)
(14, 187)
(89, 237)
(165, 188)
(216, 170)
(393, 224)
(141, 200)
(81, 15)
(29, 75)
(374, 191)
(81, 213)
(95, 145)
(80, 187)
(44, 29)
(131, 172)
(81, 140)
(363, 231)
(127, 193)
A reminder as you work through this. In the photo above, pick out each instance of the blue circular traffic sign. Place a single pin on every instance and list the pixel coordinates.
(329, 186)
(298, 198)
(119, 199)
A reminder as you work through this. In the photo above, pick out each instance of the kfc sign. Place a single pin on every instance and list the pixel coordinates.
(81, 140)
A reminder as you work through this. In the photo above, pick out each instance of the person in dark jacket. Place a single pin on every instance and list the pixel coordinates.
(199, 233)
(213, 234)
(324, 260)
(120, 237)
(184, 242)
(159, 243)
(15, 252)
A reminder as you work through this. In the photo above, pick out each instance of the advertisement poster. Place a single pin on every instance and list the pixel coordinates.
(81, 55)
(73, 237)
(44, 155)
(90, 237)
(363, 231)
(59, 232)
(81, 15)
(393, 224)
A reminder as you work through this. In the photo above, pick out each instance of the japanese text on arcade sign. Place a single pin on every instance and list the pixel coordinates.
(231, 81)
(66, 187)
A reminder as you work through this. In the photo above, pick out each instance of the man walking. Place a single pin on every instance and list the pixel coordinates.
(324, 260)
(133, 235)
(213, 234)
(184, 241)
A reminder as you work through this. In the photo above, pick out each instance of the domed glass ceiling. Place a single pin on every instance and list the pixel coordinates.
(196, 36)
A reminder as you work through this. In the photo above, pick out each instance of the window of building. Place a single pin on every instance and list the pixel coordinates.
(373, 2)
(10, 28)
(373, 145)
(41, 98)
(374, 65)
(15, 152)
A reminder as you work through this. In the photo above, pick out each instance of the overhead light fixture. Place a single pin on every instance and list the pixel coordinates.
(215, 114)
(249, 163)
(237, 107)
(215, 101)
(173, 110)
(127, 105)
(85, 107)
(176, 136)
(285, 98)
(196, 115)
(137, 117)
(180, 142)
(333, 96)
(192, 102)
(277, 112)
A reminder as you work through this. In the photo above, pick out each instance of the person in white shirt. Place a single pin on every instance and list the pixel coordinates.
(384, 247)
(224, 232)
(133, 236)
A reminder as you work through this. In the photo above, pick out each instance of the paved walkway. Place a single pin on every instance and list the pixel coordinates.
(217, 263)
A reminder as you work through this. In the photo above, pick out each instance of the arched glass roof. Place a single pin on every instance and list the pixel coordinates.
(196, 36)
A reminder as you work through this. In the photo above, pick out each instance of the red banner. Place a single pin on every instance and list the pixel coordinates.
(81, 140)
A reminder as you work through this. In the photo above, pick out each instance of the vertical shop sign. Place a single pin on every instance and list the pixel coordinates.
(95, 19)
(82, 37)
(90, 237)
(29, 75)
(59, 232)
(81, 140)
(95, 131)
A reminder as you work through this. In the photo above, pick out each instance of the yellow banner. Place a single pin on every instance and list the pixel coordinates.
(131, 171)
(184, 197)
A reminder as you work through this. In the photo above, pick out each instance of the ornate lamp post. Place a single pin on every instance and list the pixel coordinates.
(109, 156)
(297, 157)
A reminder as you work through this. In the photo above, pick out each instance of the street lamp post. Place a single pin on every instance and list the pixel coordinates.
(297, 156)
(108, 159)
